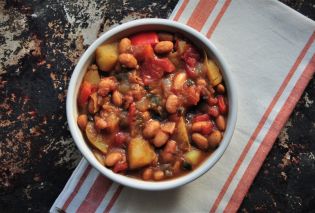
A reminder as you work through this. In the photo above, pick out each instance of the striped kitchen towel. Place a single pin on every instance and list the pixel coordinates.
(270, 50)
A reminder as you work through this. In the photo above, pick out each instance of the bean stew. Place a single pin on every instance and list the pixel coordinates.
(153, 106)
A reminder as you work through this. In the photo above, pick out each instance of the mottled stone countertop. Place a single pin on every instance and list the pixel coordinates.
(41, 41)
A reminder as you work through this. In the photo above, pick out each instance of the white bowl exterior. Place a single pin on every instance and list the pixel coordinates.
(127, 29)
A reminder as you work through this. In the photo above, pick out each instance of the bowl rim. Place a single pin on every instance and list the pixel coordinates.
(133, 182)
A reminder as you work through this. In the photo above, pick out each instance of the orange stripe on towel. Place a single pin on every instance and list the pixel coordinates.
(261, 123)
(201, 14)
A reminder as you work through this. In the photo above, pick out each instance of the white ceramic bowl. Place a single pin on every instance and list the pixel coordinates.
(118, 33)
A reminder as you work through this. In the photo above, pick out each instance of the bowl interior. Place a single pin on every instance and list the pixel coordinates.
(123, 31)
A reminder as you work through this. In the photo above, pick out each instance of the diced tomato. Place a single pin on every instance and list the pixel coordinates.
(120, 138)
(191, 56)
(149, 72)
(198, 118)
(144, 38)
(94, 88)
(86, 90)
(222, 105)
(132, 112)
(192, 94)
(191, 61)
(214, 111)
(212, 101)
(207, 128)
(191, 72)
(153, 69)
(120, 167)
(143, 52)
(165, 64)
(174, 117)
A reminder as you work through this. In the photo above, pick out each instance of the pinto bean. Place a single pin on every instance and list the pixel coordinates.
(172, 103)
(82, 121)
(214, 139)
(124, 45)
(220, 89)
(100, 123)
(200, 141)
(164, 47)
(117, 98)
(198, 126)
(107, 85)
(158, 175)
(168, 153)
(220, 121)
(147, 174)
(151, 129)
(113, 158)
(176, 167)
(160, 138)
(146, 116)
(179, 80)
(168, 127)
(128, 60)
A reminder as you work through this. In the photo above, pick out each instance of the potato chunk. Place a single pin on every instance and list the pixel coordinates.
(98, 140)
(113, 121)
(182, 134)
(92, 75)
(106, 56)
(212, 71)
(140, 153)
(193, 157)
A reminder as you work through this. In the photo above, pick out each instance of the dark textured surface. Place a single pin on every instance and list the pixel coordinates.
(41, 41)
(286, 180)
